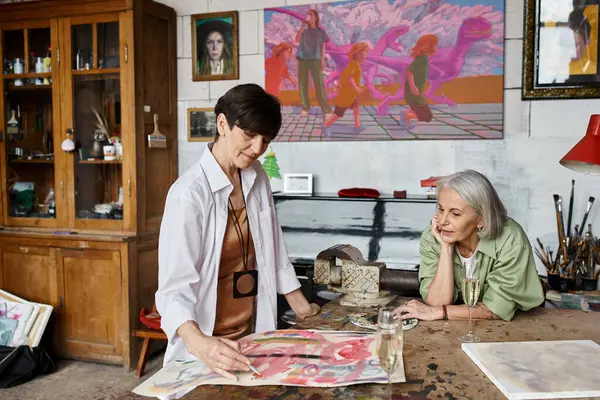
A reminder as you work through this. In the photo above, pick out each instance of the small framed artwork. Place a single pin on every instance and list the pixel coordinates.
(215, 46)
(298, 184)
(561, 50)
(202, 124)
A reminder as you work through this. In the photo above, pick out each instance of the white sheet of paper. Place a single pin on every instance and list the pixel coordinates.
(540, 370)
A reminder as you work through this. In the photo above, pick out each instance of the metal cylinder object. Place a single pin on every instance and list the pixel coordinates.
(400, 281)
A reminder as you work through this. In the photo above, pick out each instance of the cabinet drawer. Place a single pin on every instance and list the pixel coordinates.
(30, 273)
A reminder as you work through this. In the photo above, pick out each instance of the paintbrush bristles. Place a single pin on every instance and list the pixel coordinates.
(570, 216)
(587, 212)
(543, 256)
(559, 224)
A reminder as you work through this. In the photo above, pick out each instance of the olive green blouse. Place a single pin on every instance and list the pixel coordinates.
(505, 267)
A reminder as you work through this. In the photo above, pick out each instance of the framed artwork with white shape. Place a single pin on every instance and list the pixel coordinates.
(298, 183)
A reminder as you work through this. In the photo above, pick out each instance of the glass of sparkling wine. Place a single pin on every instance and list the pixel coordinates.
(389, 343)
(470, 292)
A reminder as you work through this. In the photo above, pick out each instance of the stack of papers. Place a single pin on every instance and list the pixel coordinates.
(22, 322)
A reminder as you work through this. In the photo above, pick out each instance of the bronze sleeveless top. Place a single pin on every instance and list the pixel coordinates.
(234, 316)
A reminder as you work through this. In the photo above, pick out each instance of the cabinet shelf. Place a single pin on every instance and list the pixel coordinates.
(415, 198)
(29, 75)
(34, 161)
(28, 88)
(95, 71)
(100, 162)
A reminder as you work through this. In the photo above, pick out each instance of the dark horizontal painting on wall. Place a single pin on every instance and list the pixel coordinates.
(382, 230)
(387, 69)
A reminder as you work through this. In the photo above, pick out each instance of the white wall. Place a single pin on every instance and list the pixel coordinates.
(524, 166)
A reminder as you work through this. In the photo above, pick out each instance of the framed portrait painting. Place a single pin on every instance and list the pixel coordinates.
(215, 46)
(202, 124)
(561, 49)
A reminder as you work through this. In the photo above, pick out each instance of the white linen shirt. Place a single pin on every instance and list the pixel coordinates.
(190, 244)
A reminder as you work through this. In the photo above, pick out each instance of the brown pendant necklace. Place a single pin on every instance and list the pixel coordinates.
(245, 283)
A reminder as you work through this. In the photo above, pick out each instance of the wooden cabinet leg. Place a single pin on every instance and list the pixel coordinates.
(143, 357)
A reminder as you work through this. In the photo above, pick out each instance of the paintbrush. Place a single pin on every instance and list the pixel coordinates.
(157, 139)
(595, 257)
(542, 255)
(543, 259)
(540, 243)
(587, 212)
(542, 249)
(559, 224)
(258, 374)
(569, 218)
(590, 262)
(287, 355)
(562, 223)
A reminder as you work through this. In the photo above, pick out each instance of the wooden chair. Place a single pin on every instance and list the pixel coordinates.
(147, 334)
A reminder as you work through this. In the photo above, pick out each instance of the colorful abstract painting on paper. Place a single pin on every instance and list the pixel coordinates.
(390, 69)
(21, 313)
(34, 326)
(540, 370)
(345, 358)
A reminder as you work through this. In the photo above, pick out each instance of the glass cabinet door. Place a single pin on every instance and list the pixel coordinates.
(94, 123)
(30, 190)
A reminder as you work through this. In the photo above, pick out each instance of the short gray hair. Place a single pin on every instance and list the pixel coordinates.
(479, 193)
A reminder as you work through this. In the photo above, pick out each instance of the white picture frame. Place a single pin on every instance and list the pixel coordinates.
(298, 183)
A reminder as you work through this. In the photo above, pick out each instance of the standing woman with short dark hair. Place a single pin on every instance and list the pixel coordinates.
(471, 228)
(222, 257)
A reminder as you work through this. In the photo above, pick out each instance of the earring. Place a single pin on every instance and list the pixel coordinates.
(479, 228)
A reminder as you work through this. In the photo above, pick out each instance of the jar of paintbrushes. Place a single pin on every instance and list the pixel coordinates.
(575, 265)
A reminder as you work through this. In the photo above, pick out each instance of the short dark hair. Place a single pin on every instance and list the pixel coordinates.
(252, 109)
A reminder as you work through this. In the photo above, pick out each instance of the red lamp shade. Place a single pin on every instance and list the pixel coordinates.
(585, 155)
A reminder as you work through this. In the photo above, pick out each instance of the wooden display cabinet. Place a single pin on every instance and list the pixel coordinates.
(80, 228)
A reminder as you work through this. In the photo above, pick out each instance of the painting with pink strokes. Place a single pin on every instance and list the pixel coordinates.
(387, 69)
(309, 358)
(14, 318)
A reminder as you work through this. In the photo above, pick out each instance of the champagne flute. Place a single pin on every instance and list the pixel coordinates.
(470, 293)
(389, 343)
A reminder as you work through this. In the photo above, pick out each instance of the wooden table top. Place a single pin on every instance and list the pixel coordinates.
(434, 363)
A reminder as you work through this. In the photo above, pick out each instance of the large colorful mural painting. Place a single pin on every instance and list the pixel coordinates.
(387, 69)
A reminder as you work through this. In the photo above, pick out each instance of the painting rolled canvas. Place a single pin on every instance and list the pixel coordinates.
(332, 358)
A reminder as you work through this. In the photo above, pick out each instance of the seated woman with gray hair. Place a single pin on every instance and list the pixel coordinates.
(471, 228)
